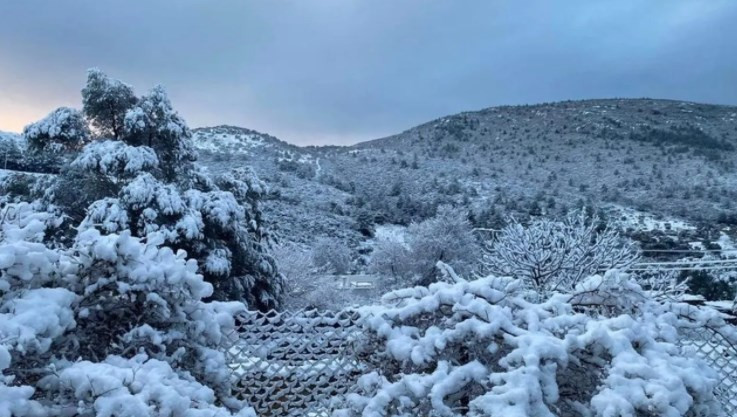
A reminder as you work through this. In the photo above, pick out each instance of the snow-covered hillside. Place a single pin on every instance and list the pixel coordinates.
(658, 165)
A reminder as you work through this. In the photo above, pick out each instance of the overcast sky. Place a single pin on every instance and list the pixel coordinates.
(341, 71)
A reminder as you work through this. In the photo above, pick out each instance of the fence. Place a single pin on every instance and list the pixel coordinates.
(295, 363)
(721, 355)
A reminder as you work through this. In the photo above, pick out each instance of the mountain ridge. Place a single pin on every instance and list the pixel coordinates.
(643, 100)
(665, 158)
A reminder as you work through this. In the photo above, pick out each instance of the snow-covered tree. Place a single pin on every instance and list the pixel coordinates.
(64, 126)
(481, 348)
(105, 103)
(52, 141)
(145, 181)
(153, 122)
(305, 285)
(447, 237)
(211, 226)
(331, 255)
(551, 255)
(10, 152)
(115, 325)
(100, 170)
(391, 259)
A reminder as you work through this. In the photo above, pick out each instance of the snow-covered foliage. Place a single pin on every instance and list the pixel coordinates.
(410, 255)
(118, 287)
(64, 126)
(448, 238)
(12, 147)
(131, 388)
(330, 255)
(549, 255)
(105, 103)
(306, 285)
(116, 159)
(144, 181)
(210, 226)
(481, 348)
(154, 123)
(392, 258)
(85, 330)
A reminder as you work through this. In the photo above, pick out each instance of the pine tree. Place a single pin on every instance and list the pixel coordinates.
(64, 127)
(147, 183)
(153, 122)
(105, 103)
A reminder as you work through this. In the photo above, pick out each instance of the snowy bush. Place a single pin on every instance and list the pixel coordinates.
(447, 238)
(64, 126)
(331, 255)
(133, 387)
(480, 348)
(549, 255)
(131, 308)
(210, 226)
(391, 259)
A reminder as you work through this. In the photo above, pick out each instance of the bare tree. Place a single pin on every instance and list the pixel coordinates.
(307, 285)
(331, 254)
(392, 260)
(447, 237)
(553, 255)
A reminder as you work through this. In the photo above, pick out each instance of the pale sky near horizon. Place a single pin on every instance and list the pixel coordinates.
(342, 71)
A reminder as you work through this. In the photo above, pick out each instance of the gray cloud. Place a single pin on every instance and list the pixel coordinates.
(338, 71)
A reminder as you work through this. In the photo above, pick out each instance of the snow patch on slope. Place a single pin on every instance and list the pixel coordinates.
(628, 217)
(241, 143)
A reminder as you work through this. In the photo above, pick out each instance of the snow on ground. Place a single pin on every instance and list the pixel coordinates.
(390, 232)
(230, 143)
(729, 250)
(627, 217)
(4, 173)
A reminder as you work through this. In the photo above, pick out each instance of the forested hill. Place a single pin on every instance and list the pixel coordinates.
(637, 157)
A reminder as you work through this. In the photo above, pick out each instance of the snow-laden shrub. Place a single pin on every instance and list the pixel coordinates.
(115, 159)
(135, 387)
(124, 306)
(64, 126)
(331, 255)
(550, 255)
(140, 297)
(31, 316)
(480, 348)
(212, 227)
(448, 238)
